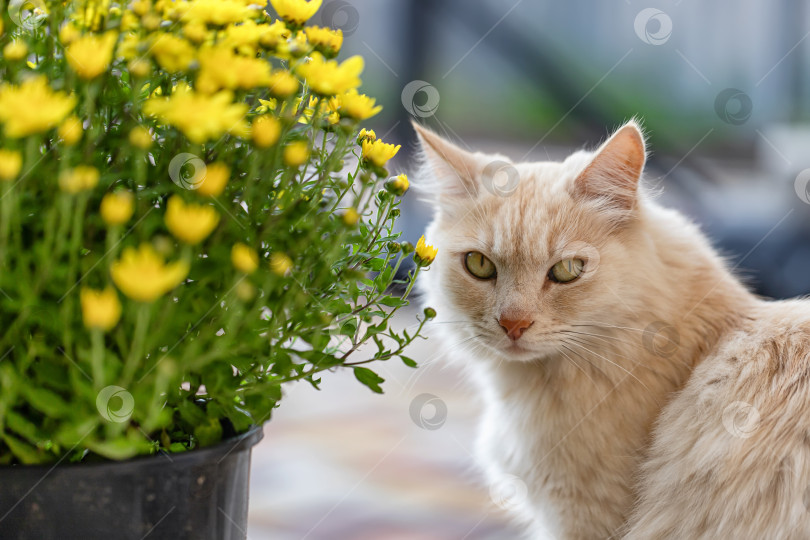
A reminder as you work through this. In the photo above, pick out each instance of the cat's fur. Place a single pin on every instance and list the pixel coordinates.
(680, 408)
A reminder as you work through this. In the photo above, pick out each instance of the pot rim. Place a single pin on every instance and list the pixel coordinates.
(239, 442)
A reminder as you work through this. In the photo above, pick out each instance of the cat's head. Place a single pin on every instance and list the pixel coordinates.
(531, 251)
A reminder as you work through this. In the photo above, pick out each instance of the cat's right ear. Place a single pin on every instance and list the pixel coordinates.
(454, 170)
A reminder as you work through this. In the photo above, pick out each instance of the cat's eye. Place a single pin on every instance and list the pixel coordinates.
(478, 265)
(566, 271)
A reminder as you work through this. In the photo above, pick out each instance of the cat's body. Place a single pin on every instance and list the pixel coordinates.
(652, 396)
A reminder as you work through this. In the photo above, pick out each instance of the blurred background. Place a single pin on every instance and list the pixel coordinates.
(723, 89)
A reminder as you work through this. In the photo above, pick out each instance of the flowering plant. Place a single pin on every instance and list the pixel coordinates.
(188, 221)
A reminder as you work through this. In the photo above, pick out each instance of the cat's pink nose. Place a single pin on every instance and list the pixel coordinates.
(514, 328)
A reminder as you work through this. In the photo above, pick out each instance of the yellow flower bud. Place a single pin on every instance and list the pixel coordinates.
(214, 179)
(139, 67)
(296, 153)
(117, 207)
(151, 21)
(140, 137)
(280, 264)
(10, 164)
(142, 275)
(70, 130)
(80, 178)
(195, 31)
(190, 223)
(244, 258)
(266, 131)
(15, 50)
(351, 217)
(424, 253)
(100, 309)
(68, 33)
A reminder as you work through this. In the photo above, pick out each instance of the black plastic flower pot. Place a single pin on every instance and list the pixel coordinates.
(200, 495)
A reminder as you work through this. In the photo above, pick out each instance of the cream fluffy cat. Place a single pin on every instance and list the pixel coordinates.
(632, 384)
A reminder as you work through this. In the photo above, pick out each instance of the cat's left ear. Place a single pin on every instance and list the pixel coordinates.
(613, 175)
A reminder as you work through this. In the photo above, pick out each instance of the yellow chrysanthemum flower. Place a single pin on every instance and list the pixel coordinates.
(117, 207)
(244, 258)
(216, 12)
(296, 153)
(282, 84)
(245, 37)
(214, 179)
(296, 11)
(142, 274)
(366, 135)
(190, 223)
(200, 117)
(280, 263)
(328, 78)
(351, 217)
(10, 164)
(68, 33)
(398, 185)
(15, 50)
(221, 68)
(90, 55)
(140, 137)
(21, 118)
(128, 49)
(325, 40)
(100, 309)
(424, 253)
(70, 131)
(378, 152)
(172, 53)
(266, 131)
(358, 106)
(80, 178)
(276, 34)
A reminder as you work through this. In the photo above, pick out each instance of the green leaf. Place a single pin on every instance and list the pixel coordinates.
(46, 401)
(369, 378)
(408, 361)
(392, 301)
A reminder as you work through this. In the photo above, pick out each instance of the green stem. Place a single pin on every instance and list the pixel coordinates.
(97, 357)
(135, 358)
